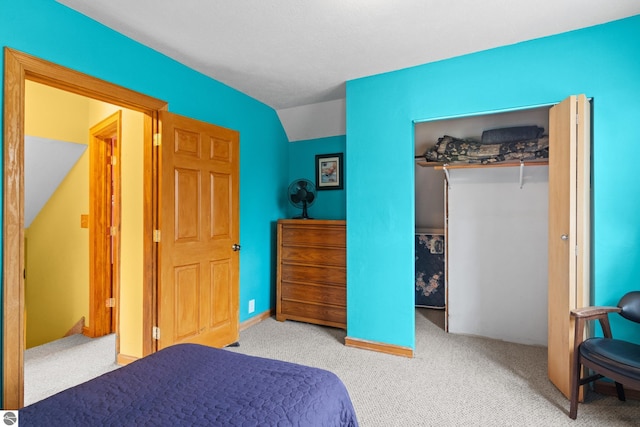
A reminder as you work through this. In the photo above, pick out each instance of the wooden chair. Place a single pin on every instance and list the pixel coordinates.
(615, 359)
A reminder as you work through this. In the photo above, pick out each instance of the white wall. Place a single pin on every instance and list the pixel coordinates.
(497, 259)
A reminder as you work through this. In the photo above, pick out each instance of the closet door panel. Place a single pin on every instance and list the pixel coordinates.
(569, 229)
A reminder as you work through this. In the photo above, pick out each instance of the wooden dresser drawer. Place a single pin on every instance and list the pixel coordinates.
(313, 313)
(318, 294)
(314, 236)
(313, 274)
(317, 256)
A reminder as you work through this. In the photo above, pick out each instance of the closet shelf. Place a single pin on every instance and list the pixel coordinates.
(440, 166)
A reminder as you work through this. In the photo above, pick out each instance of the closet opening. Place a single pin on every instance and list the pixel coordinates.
(516, 222)
(481, 236)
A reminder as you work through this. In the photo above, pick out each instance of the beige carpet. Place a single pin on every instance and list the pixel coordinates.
(453, 380)
(66, 362)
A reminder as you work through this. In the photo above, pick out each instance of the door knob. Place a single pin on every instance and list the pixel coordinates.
(235, 247)
(564, 237)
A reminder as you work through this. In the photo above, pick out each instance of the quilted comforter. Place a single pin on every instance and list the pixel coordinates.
(454, 150)
(189, 384)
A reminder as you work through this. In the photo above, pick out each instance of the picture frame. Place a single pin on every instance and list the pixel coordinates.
(329, 174)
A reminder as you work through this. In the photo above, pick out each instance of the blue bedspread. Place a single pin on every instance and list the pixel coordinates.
(189, 384)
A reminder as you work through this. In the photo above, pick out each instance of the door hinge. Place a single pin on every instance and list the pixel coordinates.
(111, 302)
(114, 160)
(156, 236)
(155, 333)
(113, 230)
(157, 139)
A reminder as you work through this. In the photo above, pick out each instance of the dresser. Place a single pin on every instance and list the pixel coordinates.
(312, 272)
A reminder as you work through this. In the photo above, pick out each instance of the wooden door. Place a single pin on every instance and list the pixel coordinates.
(104, 225)
(569, 229)
(198, 217)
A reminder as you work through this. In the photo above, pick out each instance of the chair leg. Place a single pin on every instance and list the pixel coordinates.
(620, 391)
(575, 390)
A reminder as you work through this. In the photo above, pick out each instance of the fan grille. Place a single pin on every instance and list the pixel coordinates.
(302, 194)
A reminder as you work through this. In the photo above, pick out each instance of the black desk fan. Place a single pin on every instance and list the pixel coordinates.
(302, 194)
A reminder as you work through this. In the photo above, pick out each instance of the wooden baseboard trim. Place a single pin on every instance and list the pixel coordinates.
(123, 359)
(395, 350)
(609, 389)
(256, 319)
(78, 328)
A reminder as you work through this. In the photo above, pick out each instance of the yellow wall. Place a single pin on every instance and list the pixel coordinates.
(57, 258)
(57, 249)
(57, 261)
(55, 114)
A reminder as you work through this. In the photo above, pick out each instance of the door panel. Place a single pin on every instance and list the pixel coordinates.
(198, 280)
(569, 229)
(104, 224)
(220, 273)
(186, 285)
(188, 201)
(222, 208)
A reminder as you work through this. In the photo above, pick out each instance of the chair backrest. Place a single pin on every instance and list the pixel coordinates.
(630, 305)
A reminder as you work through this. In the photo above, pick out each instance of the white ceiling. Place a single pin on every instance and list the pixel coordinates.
(288, 53)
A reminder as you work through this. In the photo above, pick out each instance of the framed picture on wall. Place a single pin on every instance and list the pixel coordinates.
(329, 171)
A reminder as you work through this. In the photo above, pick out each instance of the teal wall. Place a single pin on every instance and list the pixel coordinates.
(602, 62)
(329, 204)
(51, 31)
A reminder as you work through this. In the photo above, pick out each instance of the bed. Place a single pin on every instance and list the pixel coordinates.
(190, 384)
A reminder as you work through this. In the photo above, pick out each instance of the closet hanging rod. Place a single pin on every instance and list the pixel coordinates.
(446, 173)
(445, 168)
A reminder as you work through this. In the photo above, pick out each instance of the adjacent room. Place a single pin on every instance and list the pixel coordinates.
(390, 211)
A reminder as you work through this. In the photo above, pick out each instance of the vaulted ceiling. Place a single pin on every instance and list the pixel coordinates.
(288, 53)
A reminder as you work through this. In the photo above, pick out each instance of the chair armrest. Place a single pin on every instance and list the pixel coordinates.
(585, 314)
(589, 313)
